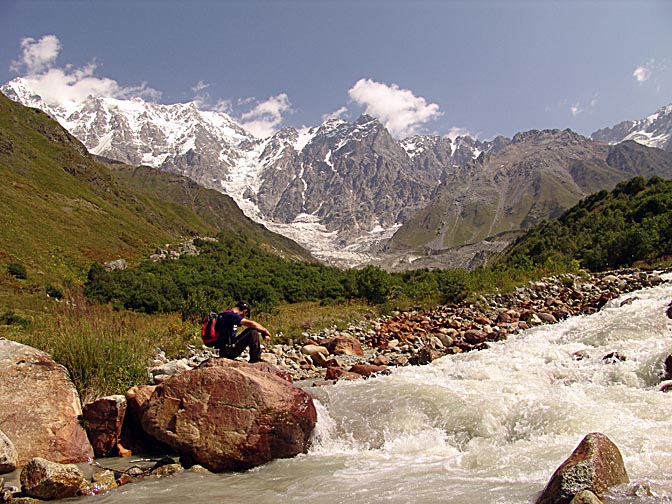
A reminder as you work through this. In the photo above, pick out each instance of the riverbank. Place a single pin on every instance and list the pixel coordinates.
(418, 337)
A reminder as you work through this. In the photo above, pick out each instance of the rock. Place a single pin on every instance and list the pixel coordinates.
(585, 497)
(101, 482)
(475, 336)
(103, 420)
(425, 355)
(547, 318)
(595, 465)
(230, 415)
(167, 470)
(33, 386)
(47, 480)
(345, 345)
(368, 369)
(133, 438)
(117, 264)
(313, 349)
(667, 368)
(8, 455)
(613, 358)
(163, 371)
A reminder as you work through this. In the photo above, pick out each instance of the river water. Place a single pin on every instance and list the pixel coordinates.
(482, 427)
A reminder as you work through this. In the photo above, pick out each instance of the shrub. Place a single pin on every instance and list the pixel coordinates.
(17, 270)
(54, 292)
(10, 317)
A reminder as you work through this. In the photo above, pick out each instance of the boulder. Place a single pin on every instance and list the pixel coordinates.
(8, 455)
(103, 419)
(367, 370)
(231, 415)
(595, 465)
(47, 480)
(345, 345)
(40, 407)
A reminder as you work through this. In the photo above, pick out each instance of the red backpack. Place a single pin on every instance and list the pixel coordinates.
(208, 333)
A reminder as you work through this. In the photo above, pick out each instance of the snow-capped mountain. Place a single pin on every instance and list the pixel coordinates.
(178, 138)
(652, 131)
(337, 188)
(349, 192)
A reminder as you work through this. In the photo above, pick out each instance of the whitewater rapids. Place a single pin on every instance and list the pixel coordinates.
(482, 427)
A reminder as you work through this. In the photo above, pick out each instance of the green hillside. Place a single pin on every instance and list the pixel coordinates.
(630, 225)
(62, 210)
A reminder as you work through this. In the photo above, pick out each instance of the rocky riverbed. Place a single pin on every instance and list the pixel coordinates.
(417, 337)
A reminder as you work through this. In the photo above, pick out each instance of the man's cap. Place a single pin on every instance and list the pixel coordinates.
(243, 305)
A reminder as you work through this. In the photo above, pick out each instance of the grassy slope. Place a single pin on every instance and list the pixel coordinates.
(62, 210)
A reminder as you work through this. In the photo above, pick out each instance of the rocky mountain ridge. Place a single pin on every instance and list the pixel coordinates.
(349, 192)
(537, 176)
(652, 131)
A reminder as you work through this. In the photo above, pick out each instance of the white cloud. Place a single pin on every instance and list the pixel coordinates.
(642, 73)
(266, 116)
(69, 85)
(338, 114)
(200, 86)
(455, 132)
(399, 110)
(576, 109)
(37, 55)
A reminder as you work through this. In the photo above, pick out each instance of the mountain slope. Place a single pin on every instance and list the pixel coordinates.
(538, 176)
(606, 230)
(62, 210)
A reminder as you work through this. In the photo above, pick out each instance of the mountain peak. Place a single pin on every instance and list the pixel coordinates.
(652, 131)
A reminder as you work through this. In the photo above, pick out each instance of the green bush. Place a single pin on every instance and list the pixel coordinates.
(10, 317)
(17, 271)
(54, 292)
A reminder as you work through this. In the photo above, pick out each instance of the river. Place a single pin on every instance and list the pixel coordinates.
(482, 427)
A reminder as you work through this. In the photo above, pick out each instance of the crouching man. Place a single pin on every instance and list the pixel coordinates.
(230, 344)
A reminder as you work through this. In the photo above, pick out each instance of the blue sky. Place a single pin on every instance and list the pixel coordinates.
(480, 67)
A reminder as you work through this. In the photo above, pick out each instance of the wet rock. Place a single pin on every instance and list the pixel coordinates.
(230, 415)
(101, 482)
(33, 386)
(613, 358)
(595, 465)
(47, 480)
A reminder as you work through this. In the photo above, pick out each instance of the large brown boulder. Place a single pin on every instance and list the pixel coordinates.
(595, 465)
(230, 415)
(40, 406)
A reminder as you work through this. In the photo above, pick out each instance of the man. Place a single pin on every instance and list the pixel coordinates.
(231, 345)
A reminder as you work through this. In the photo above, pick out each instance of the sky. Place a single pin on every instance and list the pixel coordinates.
(480, 67)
